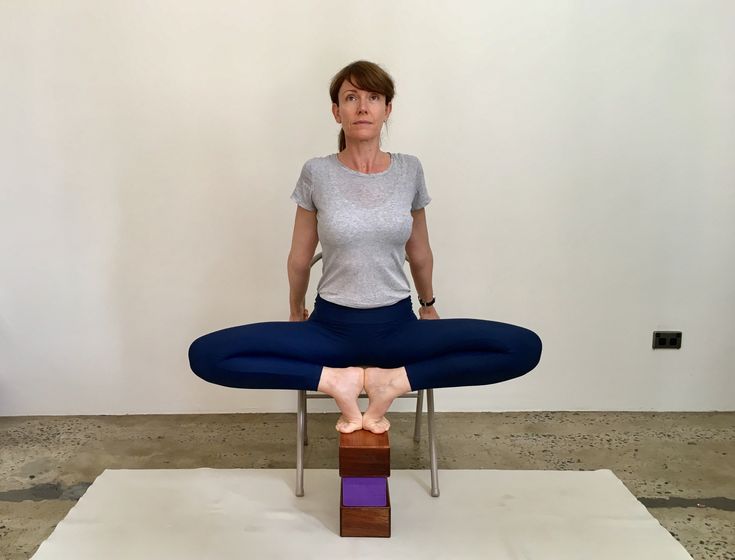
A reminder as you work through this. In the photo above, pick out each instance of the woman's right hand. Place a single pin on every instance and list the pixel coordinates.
(299, 317)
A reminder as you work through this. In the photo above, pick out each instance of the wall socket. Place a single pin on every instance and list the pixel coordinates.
(666, 339)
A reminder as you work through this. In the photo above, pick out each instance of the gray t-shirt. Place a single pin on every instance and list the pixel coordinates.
(364, 221)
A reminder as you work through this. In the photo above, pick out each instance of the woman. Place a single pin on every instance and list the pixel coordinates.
(366, 207)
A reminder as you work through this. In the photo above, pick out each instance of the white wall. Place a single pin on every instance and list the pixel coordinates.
(579, 156)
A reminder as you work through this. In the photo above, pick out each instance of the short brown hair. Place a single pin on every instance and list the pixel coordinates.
(365, 75)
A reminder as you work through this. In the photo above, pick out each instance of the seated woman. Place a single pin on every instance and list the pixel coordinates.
(366, 207)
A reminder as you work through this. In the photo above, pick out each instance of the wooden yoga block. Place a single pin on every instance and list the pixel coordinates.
(363, 453)
(364, 520)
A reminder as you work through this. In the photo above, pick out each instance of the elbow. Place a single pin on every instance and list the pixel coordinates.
(420, 258)
(298, 263)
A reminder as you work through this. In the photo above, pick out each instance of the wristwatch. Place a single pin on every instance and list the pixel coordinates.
(427, 303)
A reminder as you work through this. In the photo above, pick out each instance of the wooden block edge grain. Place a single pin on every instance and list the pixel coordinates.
(364, 439)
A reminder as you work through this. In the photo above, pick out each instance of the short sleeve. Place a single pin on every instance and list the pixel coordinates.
(421, 198)
(302, 194)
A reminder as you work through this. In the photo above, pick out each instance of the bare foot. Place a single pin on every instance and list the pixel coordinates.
(344, 384)
(382, 387)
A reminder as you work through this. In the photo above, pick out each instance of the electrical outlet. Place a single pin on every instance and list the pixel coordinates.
(666, 339)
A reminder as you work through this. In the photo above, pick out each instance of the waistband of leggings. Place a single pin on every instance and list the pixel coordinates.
(331, 312)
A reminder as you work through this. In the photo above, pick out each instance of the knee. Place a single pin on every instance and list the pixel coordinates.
(195, 349)
(199, 358)
(529, 348)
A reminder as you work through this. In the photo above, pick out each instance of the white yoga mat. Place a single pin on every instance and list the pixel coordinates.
(253, 513)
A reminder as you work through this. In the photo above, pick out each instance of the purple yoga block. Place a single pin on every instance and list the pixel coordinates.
(364, 491)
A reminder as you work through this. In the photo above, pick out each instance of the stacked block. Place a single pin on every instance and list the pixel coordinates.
(364, 468)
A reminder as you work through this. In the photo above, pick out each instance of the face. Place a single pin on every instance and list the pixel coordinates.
(361, 113)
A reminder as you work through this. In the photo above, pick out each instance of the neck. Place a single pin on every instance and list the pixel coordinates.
(366, 158)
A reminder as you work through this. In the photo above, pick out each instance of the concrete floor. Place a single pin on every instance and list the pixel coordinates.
(679, 465)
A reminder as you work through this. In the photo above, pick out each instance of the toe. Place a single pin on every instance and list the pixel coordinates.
(347, 426)
(377, 426)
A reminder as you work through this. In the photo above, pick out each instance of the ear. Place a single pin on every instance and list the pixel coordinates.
(335, 112)
(388, 109)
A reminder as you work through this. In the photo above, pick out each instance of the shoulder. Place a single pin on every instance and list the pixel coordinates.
(409, 161)
(405, 157)
(409, 165)
(321, 161)
(310, 169)
(317, 163)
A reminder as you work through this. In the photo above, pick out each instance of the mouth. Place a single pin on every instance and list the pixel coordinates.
(362, 122)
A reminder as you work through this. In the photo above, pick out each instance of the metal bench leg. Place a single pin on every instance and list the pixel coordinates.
(432, 444)
(300, 425)
(417, 423)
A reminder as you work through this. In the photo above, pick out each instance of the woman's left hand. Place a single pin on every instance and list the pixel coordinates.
(428, 313)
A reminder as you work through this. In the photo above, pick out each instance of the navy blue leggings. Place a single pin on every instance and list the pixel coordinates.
(435, 353)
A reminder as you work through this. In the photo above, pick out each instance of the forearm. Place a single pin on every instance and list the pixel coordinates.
(421, 270)
(298, 280)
